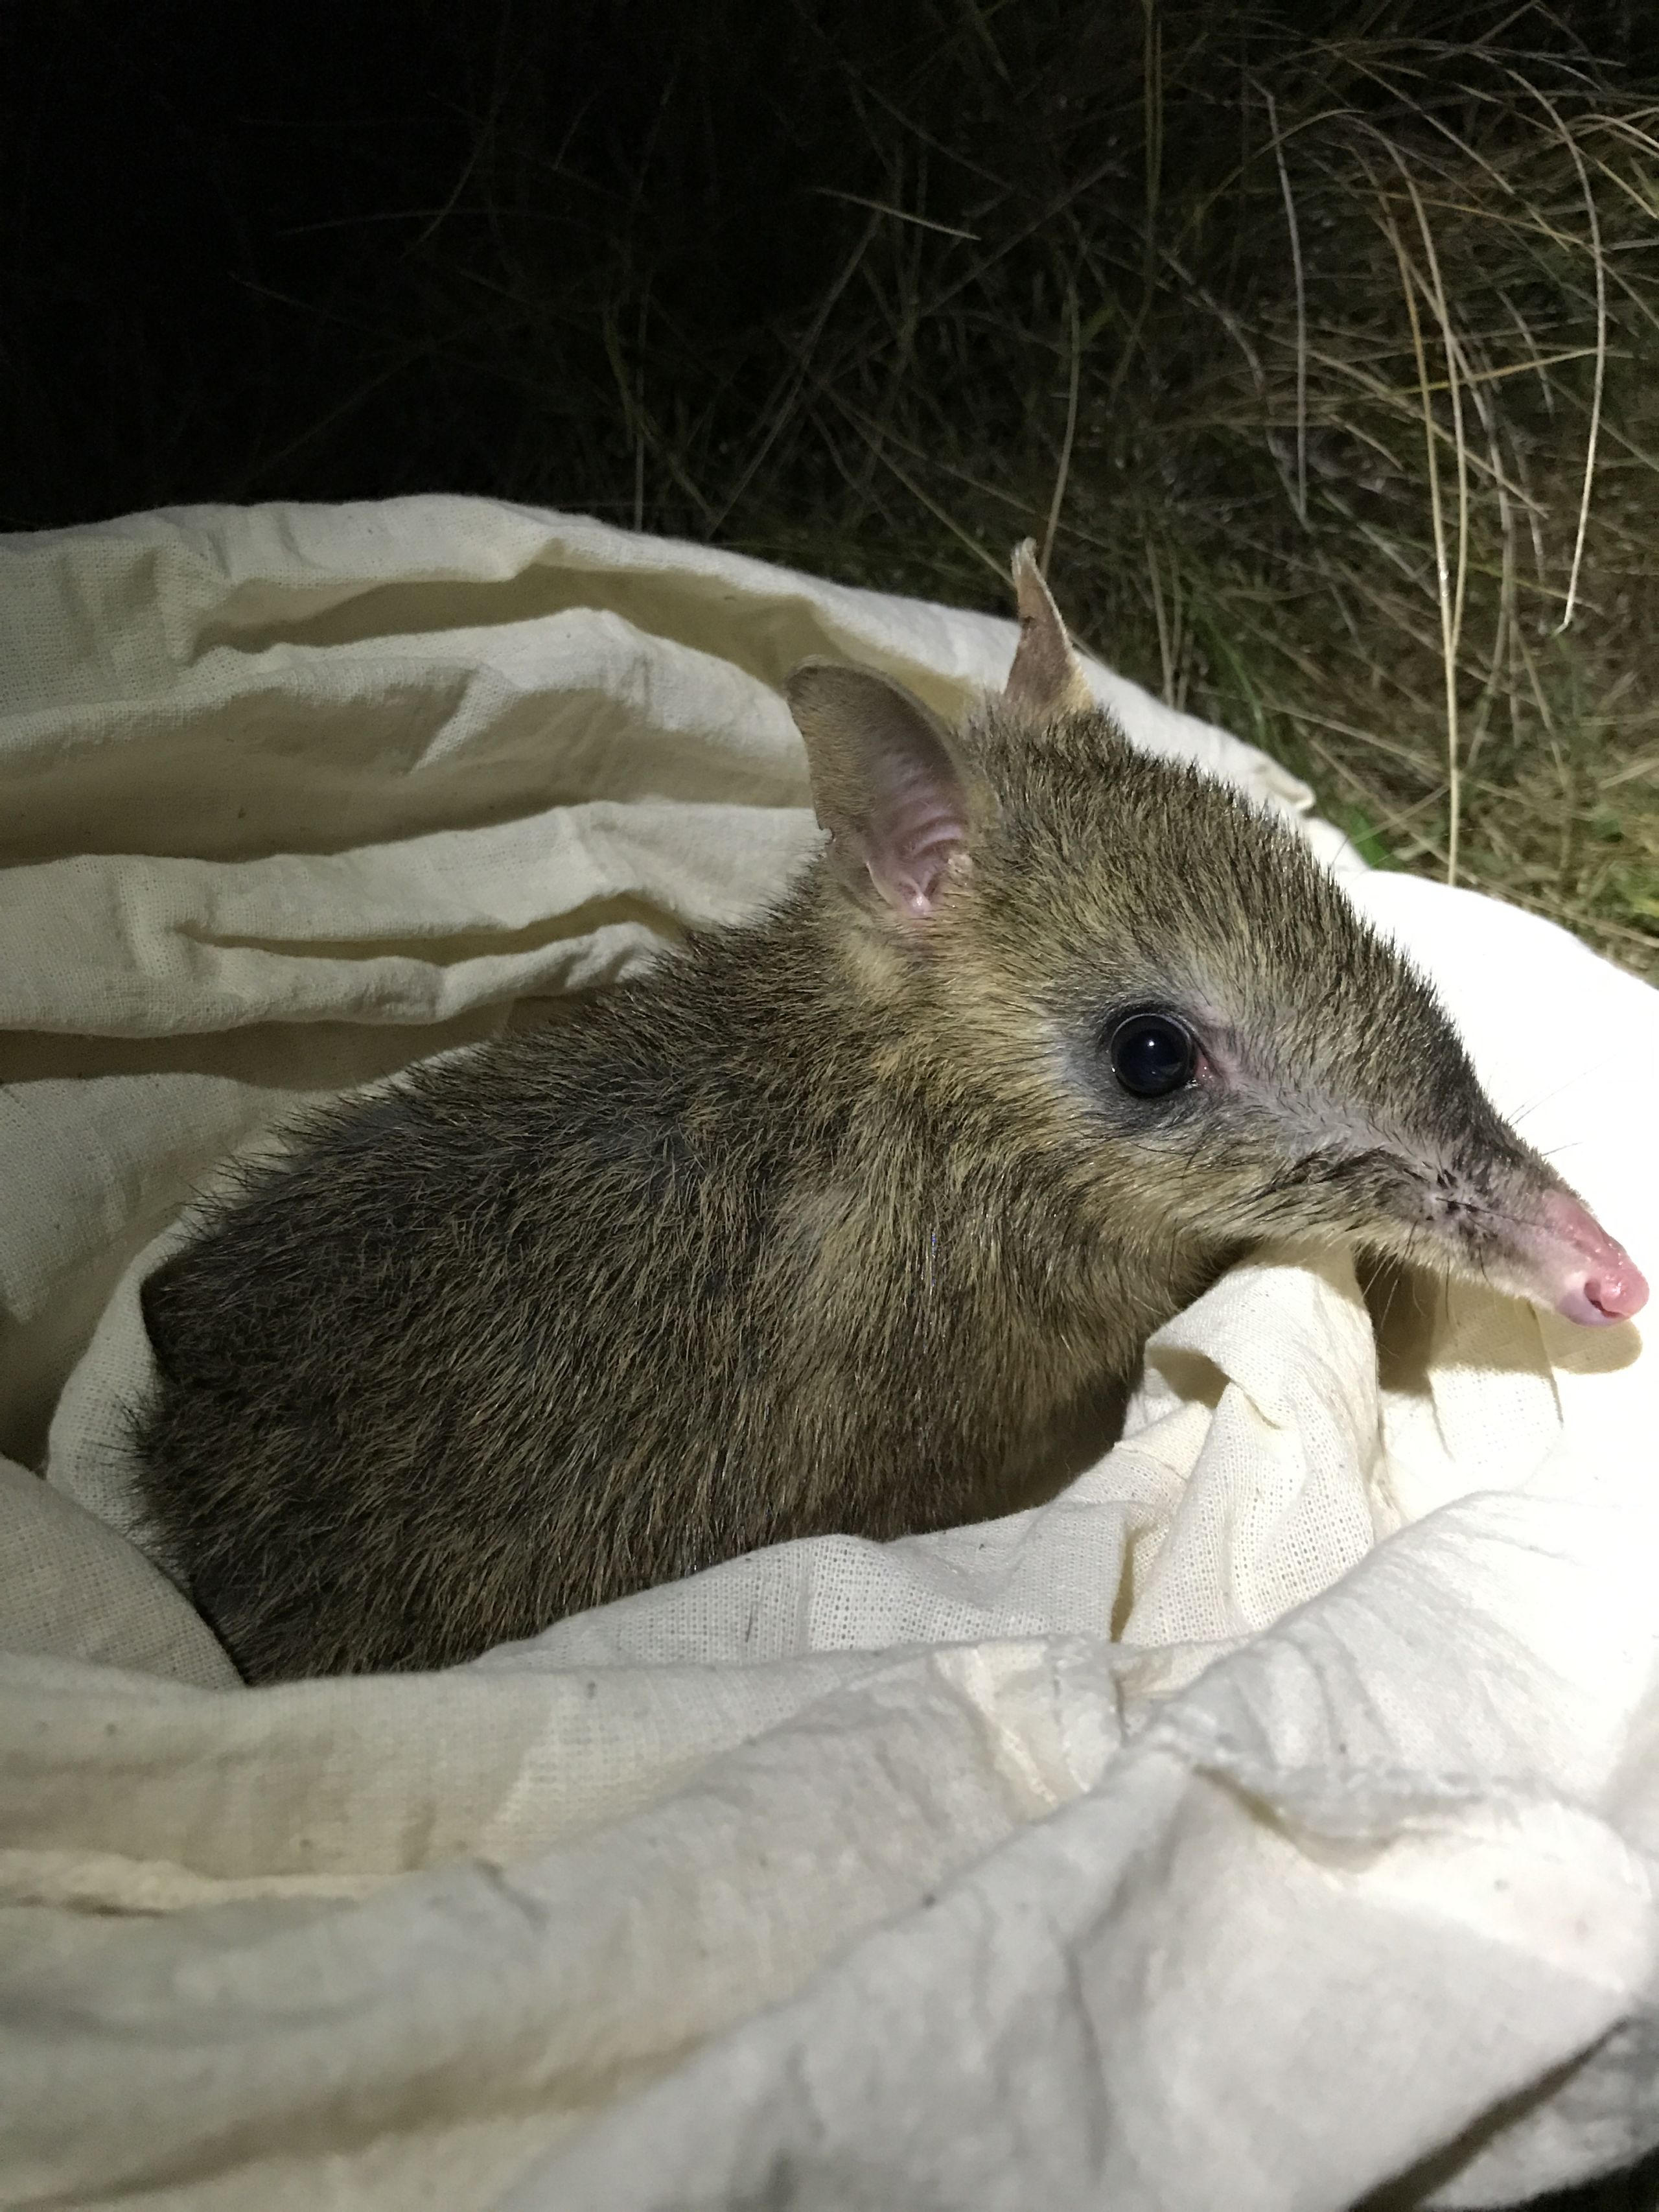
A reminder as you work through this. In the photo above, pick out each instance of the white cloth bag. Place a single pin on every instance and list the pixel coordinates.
(1274, 1813)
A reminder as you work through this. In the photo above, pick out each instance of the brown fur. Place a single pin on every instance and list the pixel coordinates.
(835, 1221)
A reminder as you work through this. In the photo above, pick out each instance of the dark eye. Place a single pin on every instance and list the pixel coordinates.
(1151, 1054)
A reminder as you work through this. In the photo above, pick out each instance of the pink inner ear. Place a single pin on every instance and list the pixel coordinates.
(913, 842)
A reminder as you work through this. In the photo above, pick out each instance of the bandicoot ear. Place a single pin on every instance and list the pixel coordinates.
(1047, 678)
(886, 783)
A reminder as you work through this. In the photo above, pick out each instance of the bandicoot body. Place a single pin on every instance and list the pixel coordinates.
(855, 1218)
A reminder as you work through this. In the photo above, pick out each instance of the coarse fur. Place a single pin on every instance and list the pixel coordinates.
(835, 1221)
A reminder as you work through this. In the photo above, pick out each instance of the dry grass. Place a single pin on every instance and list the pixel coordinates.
(1385, 505)
(1322, 363)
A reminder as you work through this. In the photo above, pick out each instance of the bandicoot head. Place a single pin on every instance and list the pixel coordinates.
(1154, 985)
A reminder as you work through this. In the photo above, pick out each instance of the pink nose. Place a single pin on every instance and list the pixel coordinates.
(1584, 1273)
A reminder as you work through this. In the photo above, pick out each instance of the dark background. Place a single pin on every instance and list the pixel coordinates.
(325, 252)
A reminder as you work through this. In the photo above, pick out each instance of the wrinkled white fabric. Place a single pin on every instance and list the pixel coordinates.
(1274, 1813)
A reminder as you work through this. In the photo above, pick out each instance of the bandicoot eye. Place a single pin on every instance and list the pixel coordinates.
(1151, 1054)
